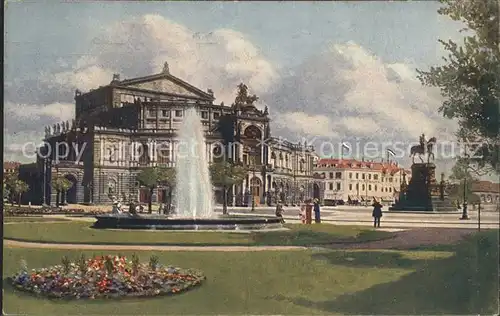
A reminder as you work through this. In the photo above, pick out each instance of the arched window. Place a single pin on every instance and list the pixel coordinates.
(144, 154)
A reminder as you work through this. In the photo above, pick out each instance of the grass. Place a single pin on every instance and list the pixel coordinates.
(298, 235)
(462, 281)
(37, 219)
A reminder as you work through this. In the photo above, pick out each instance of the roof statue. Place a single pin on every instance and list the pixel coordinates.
(166, 69)
(243, 98)
(116, 77)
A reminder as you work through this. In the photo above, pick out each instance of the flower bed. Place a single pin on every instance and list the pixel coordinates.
(106, 277)
(27, 211)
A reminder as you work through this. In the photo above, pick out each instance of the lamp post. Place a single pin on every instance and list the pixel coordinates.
(465, 215)
(44, 198)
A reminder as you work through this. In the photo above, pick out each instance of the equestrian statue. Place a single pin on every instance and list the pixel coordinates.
(424, 147)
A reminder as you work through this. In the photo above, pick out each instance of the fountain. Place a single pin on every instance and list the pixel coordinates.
(193, 190)
(193, 193)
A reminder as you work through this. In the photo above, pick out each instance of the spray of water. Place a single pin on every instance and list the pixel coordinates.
(193, 193)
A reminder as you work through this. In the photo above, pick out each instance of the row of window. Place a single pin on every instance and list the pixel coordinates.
(363, 187)
(178, 114)
(338, 175)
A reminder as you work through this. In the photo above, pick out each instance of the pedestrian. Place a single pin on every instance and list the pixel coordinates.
(302, 213)
(377, 212)
(279, 211)
(317, 218)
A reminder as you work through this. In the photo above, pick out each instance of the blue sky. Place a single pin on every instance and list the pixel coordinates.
(335, 70)
(285, 32)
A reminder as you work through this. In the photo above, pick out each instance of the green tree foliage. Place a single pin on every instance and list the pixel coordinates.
(151, 177)
(167, 177)
(15, 188)
(225, 174)
(469, 79)
(462, 179)
(60, 184)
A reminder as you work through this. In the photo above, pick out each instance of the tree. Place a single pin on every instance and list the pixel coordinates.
(463, 180)
(15, 188)
(6, 192)
(469, 80)
(61, 185)
(225, 174)
(8, 184)
(150, 177)
(167, 177)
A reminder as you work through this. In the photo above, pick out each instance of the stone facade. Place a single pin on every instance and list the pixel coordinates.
(130, 124)
(359, 180)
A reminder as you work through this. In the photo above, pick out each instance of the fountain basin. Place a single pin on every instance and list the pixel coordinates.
(159, 222)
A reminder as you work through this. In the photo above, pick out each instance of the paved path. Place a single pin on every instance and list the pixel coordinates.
(402, 240)
(362, 217)
(23, 244)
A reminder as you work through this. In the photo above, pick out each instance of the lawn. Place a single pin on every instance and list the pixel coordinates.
(81, 232)
(463, 281)
(37, 219)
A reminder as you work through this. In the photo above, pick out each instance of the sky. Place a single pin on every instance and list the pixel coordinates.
(326, 70)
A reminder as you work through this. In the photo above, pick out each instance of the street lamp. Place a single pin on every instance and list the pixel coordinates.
(464, 208)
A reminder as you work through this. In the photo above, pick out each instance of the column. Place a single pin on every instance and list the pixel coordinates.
(101, 151)
(121, 160)
(233, 197)
(174, 154)
(171, 153)
(150, 150)
(154, 152)
(262, 149)
(133, 155)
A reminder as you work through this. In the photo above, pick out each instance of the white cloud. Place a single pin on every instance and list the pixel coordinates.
(306, 124)
(218, 60)
(55, 112)
(24, 126)
(362, 96)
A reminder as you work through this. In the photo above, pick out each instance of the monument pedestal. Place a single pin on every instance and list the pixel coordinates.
(423, 192)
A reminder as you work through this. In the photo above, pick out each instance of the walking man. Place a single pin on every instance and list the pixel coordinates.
(377, 212)
(316, 208)
(279, 211)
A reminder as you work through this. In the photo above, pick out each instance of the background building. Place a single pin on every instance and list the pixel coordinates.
(10, 167)
(359, 181)
(131, 124)
(488, 192)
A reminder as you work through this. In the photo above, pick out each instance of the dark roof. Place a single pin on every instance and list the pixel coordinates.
(179, 81)
(485, 186)
(11, 165)
(347, 163)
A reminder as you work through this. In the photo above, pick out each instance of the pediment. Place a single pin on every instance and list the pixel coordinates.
(166, 84)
